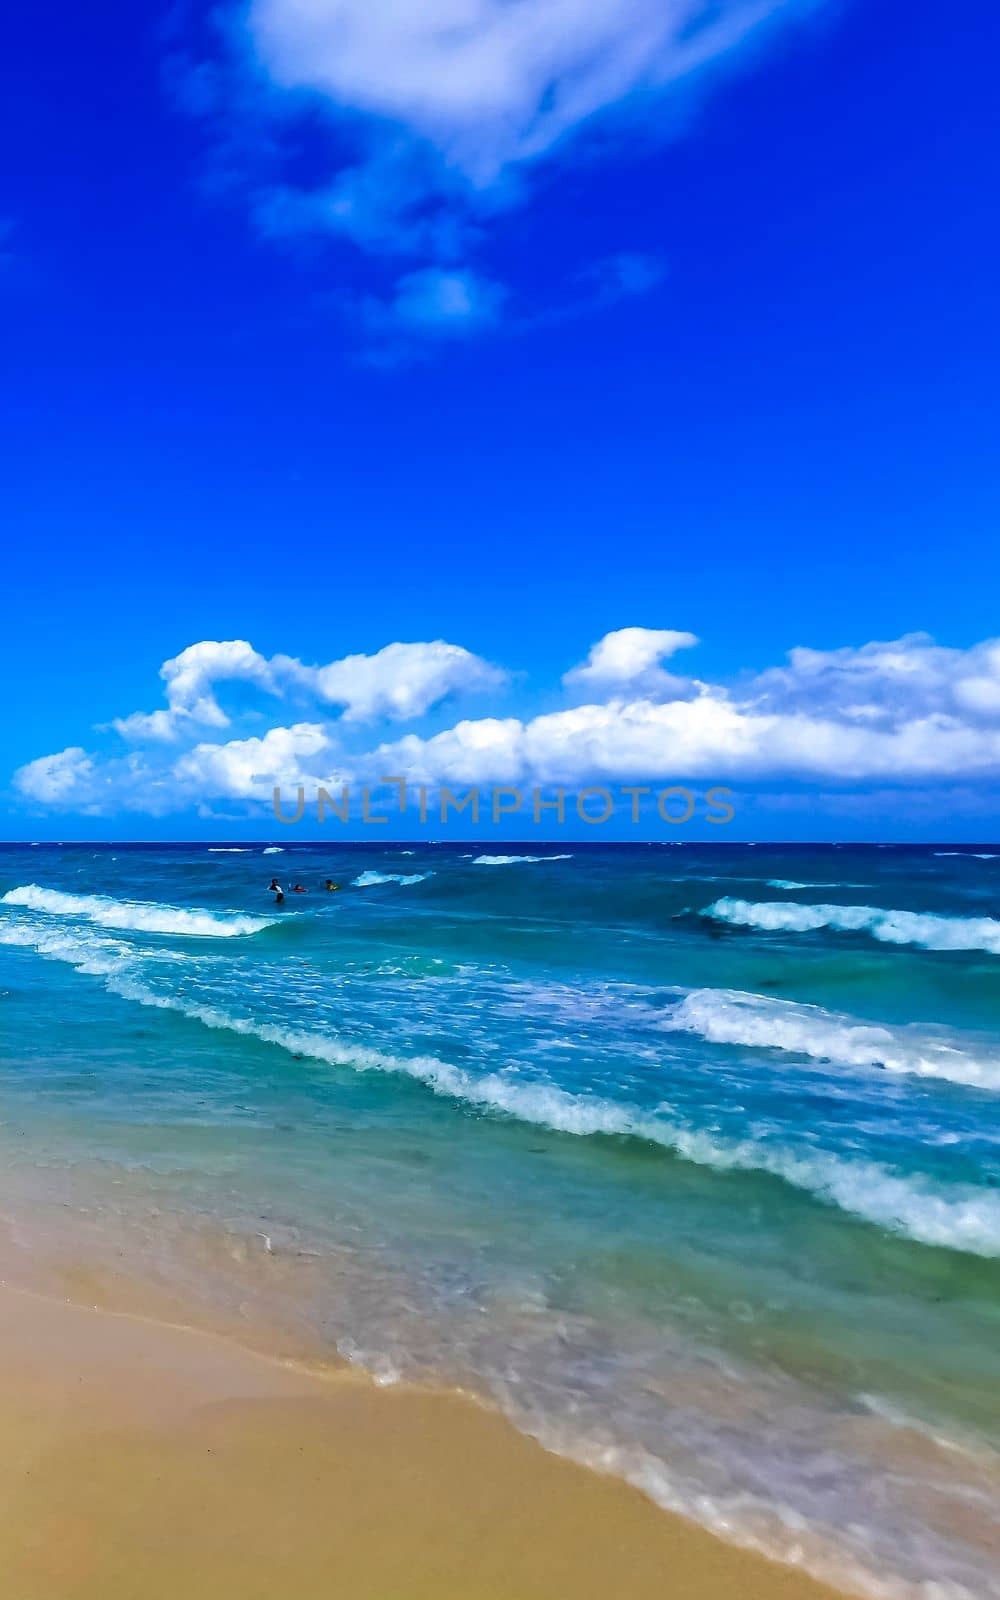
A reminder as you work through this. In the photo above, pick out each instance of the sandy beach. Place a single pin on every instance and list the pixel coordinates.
(431, 1242)
(145, 1459)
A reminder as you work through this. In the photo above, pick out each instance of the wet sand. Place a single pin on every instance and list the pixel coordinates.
(141, 1459)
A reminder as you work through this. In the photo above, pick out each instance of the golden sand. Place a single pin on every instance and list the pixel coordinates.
(139, 1459)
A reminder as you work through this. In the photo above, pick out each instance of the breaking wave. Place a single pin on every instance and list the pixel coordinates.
(367, 879)
(507, 861)
(930, 930)
(138, 915)
(730, 1016)
(964, 1218)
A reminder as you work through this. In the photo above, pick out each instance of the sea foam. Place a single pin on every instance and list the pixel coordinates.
(929, 929)
(964, 1218)
(366, 880)
(729, 1016)
(791, 883)
(509, 861)
(141, 916)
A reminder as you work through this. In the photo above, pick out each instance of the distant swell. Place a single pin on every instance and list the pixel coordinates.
(791, 883)
(366, 880)
(509, 861)
(966, 1218)
(141, 916)
(925, 928)
(729, 1016)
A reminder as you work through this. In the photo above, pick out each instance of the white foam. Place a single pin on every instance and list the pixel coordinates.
(142, 916)
(960, 1218)
(85, 952)
(507, 861)
(969, 855)
(730, 1016)
(790, 883)
(273, 850)
(367, 879)
(228, 850)
(928, 929)
(966, 1219)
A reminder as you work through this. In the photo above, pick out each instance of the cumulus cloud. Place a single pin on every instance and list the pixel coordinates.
(907, 712)
(401, 680)
(882, 682)
(248, 769)
(709, 738)
(440, 113)
(629, 658)
(56, 779)
(190, 679)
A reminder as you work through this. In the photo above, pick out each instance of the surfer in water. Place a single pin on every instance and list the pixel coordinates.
(329, 884)
(274, 887)
(300, 888)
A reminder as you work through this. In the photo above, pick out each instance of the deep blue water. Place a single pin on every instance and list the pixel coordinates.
(686, 1156)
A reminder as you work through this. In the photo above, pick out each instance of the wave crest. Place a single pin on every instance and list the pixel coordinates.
(366, 880)
(964, 1218)
(508, 861)
(929, 929)
(139, 915)
(731, 1016)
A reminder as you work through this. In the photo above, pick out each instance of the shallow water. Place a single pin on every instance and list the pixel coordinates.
(687, 1156)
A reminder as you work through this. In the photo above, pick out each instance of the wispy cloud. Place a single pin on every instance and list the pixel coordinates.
(432, 304)
(428, 121)
(488, 86)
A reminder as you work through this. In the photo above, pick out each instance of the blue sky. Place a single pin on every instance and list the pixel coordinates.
(327, 330)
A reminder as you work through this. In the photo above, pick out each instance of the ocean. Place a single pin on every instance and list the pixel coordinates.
(685, 1157)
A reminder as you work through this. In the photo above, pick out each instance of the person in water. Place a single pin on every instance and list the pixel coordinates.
(274, 887)
(330, 884)
(300, 888)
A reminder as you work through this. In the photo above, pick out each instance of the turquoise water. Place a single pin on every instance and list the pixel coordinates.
(687, 1157)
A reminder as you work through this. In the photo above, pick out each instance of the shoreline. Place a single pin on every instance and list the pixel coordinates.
(143, 1457)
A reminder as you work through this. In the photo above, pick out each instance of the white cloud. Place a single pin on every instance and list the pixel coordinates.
(248, 769)
(882, 682)
(401, 680)
(630, 658)
(708, 738)
(190, 678)
(447, 107)
(191, 675)
(882, 712)
(906, 713)
(438, 303)
(140, 725)
(488, 84)
(56, 779)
